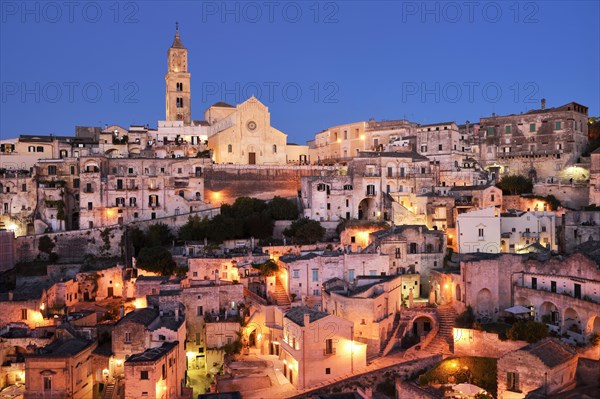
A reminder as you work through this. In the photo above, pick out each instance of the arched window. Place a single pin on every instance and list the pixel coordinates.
(274, 149)
(229, 148)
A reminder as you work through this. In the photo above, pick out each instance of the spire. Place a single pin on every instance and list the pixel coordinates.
(177, 41)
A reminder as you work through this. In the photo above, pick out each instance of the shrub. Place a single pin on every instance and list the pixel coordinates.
(530, 331)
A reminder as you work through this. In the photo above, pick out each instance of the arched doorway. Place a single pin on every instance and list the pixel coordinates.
(366, 208)
(593, 325)
(485, 306)
(572, 321)
(549, 313)
(422, 325)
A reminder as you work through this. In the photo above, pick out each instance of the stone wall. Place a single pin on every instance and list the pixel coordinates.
(572, 196)
(71, 246)
(468, 342)
(225, 183)
(388, 375)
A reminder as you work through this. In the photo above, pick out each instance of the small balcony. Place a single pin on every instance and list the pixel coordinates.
(529, 234)
(330, 352)
(153, 204)
(153, 188)
(370, 193)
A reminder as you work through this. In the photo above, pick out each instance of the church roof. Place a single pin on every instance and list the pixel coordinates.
(177, 41)
(222, 105)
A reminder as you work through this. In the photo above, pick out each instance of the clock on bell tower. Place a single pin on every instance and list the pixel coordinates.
(178, 95)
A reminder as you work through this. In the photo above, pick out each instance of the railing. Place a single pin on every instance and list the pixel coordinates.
(530, 234)
(330, 352)
(371, 193)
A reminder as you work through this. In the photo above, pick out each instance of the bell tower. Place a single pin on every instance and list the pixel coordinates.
(178, 96)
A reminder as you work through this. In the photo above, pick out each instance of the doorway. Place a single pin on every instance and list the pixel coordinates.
(252, 158)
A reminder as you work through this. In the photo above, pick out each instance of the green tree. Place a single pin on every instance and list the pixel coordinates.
(267, 268)
(195, 229)
(466, 318)
(159, 234)
(515, 185)
(530, 331)
(305, 231)
(283, 209)
(137, 238)
(46, 245)
(157, 260)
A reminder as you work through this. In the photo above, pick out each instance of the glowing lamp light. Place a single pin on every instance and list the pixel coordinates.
(12, 227)
(42, 306)
(362, 136)
(190, 354)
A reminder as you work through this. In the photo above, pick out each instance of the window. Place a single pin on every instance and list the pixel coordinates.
(439, 147)
(315, 274)
(24, 187)
(492, 197)
(490, 131)
(557, 125)
(296, 273)
(328, 370)
(552, 286)
(348, 187)
(398, 253)
(88, 188)
(413, 248)
(127, 337)
(132, 202)
(39, 148)
(31, 148)
(47, 383)
(90, 206)
(423, 148)
(371, 189)
(179, 102)
(144, 375)
(75, 183)
(577, 291)
(164, 371)
(274, 149)
(153, 200)
(52, 169)
(199, 311)
(351, 274)
(229, 148)
(532, 127)
(512, 382)
(120, 201)
(329, 347)
(534, 283)
(507, 129)
(481, 233)
(23, 314)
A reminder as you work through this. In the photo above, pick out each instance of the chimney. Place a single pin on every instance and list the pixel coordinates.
(543, 103)
(306, 319)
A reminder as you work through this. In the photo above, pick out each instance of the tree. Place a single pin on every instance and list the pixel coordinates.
(159, 234)
(530, 331)
(268, 268)
(46, 245)
(137, 239)
(515, 185)
(282, 209)
(157, 260)
(466, 318)
(195, 229)
(305, 231)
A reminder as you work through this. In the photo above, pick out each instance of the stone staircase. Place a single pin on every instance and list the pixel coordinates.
(443, 343)
(109, 391)
(390, 341)
(280, 295)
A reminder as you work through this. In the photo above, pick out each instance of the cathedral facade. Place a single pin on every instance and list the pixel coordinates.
(240, 134)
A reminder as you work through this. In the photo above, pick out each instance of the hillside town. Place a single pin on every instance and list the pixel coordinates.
(213, 258)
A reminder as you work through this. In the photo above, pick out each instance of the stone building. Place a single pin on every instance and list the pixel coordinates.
(317, 347)
(121, 191)
(538, 144)
(410, 249)
(579, 227)
(479, 231)
(155, 373)
(372, 303)
(562, 292)
(143, 329)
(376, 186)
(594, 195)
(303, 276)
(521, 230)
(546, 367)
(7, 250)
(62, 369)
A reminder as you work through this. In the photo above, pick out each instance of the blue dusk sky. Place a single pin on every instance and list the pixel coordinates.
(314, 64)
